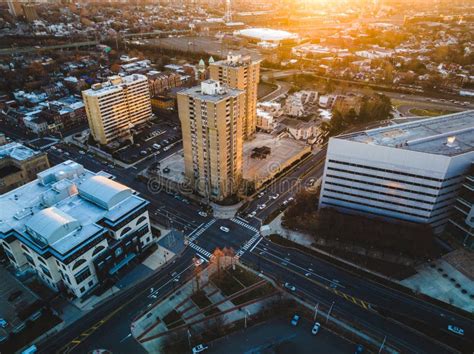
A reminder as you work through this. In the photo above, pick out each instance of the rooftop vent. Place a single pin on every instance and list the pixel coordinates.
(451, 141)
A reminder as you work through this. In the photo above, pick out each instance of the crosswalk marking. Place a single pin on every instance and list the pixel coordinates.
(247, 245)
(200, 249)
(198, 232)
(244, 224)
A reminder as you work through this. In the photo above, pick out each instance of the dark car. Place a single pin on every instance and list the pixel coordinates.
(359, 349)
(14, 295)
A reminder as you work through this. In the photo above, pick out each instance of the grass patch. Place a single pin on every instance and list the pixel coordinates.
(173, 319)
(421, 112)
(244, 276)
(226, 283)
(265, 289)
(200, 299)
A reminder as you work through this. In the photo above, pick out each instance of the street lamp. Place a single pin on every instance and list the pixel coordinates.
(329, 312)
(245, 318)
(316, 311)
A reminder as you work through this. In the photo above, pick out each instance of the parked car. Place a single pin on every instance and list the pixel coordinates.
(290, 287)
(295, 320)
(200, 348)
(203, 214)
(14, 295)
(315, 328)
(225, 229)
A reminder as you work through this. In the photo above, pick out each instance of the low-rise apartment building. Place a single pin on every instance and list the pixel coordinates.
(75, 228)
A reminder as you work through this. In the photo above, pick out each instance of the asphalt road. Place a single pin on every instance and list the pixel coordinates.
(108, 326)
(316, 281)
(280, 334)
(286, 186)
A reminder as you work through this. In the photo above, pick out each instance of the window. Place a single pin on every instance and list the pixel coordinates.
(81, 290)
(141, 219)
(78, 263)
(82, 275)
(90, 283)
(124, 231)
(97, 250)
(29, 259)
(45, 271)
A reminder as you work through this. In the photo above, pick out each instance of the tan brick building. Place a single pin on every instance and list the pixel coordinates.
(241, 73)
(19, 165)
(211, 121)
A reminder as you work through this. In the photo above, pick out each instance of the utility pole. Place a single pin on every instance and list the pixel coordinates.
(329, 312)
(189, 338)
(315, 311)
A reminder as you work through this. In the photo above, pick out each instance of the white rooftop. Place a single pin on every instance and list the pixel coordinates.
(448, 135)
(17, 151)
(62, 207)
(267, 34)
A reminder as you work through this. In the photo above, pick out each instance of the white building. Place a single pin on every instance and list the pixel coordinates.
(116, 106)
(410, 171)
(74, 227)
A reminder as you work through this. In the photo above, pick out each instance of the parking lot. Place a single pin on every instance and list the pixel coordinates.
(155, 139)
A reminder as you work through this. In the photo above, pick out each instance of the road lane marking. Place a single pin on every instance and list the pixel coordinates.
(251, 250)
(125, 338)
(349, 298)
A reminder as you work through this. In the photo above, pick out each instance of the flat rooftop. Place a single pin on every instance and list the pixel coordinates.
(196, 92)
(115, 83)
(448, 135)
(283, 152)
(17, 151)
(62, 207)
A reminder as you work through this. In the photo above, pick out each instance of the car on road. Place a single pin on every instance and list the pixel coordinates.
(3, 323)
(200, 348)
(295, 319)
(290, 287)
(203, 214)
(156, 146)
(198, 261)
(252, 214)
(456, 329)
(262, 206)
(261, 194)
(316, 328)
(359, 349)
(275, 196)
(225, 229)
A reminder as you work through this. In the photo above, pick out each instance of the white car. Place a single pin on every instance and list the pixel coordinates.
(198, 262)
(315, 328)
(261, 194)
(3, 323)
(252, 214)
(203, 214)
(262, 206)
(225, 229)
(275, 196)
(200, 348)
(290, 287)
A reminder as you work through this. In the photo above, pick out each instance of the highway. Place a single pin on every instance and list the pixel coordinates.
(360, 299)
